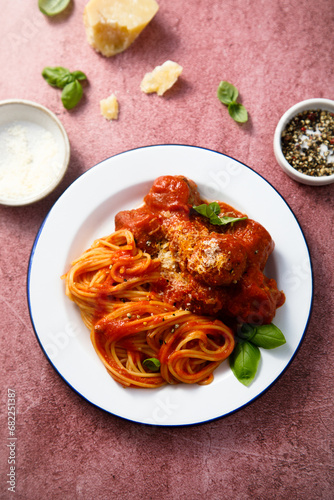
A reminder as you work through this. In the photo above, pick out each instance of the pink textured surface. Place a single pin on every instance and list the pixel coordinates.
(276, 53)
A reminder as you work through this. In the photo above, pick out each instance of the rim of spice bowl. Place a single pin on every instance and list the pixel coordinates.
(308, 104)
(30, 112)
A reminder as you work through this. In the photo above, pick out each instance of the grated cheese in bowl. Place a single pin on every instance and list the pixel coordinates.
(34, 152)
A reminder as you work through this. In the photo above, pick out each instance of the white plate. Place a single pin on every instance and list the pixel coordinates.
(86, 211)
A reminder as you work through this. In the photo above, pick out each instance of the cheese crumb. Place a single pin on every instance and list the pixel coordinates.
(211, 253)
(166, 258)
(161, 78)
(112, 25)
(109, 107)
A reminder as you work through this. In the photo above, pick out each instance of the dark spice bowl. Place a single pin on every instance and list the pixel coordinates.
(304, 142)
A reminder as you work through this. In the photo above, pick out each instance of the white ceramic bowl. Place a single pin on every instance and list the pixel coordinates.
(309, 104)
(35, 152)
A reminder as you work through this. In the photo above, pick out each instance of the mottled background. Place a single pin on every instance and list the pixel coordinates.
(277, 53)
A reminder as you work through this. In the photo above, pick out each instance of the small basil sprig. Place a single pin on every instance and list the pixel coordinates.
(246, 356)
(228, 94)
(69, 82)
(152, 364)
(212, 210)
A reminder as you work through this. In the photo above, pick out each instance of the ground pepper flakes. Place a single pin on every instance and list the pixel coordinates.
(308, 142)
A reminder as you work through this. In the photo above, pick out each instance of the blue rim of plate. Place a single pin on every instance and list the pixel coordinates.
(183, 424)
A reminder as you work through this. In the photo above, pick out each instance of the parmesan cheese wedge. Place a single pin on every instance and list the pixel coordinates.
(109, 107)
(161, 78)
(112, 25)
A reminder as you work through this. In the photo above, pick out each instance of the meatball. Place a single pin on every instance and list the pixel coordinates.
(183, 237)
(186, 292)
(255, 298)
(144, 226)
(256, 240)
(172, 193)
(218, 259)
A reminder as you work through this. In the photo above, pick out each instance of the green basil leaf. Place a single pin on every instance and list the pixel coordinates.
(238, 112)
(215, 220)
(54, 75)
(244, 361)
(227, 93)
(208, 210)
(52, 7)
(214, 207)
(79, 75)
(71, 94)
(211, 212)
(203, 209)
(247, 331)
(229, 220)
(152, 364)
(65, 80)
(268, 337)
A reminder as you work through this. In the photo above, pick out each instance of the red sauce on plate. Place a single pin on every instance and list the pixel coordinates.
(205, 268)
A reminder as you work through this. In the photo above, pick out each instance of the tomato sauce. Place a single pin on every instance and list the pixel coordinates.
(205, 268)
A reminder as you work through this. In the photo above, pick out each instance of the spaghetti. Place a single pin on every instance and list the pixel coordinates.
(130, 323)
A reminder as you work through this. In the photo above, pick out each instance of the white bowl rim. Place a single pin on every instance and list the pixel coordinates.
(66, 159)
(321, 103)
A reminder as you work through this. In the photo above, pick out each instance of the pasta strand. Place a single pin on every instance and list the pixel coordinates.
(110, 283)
